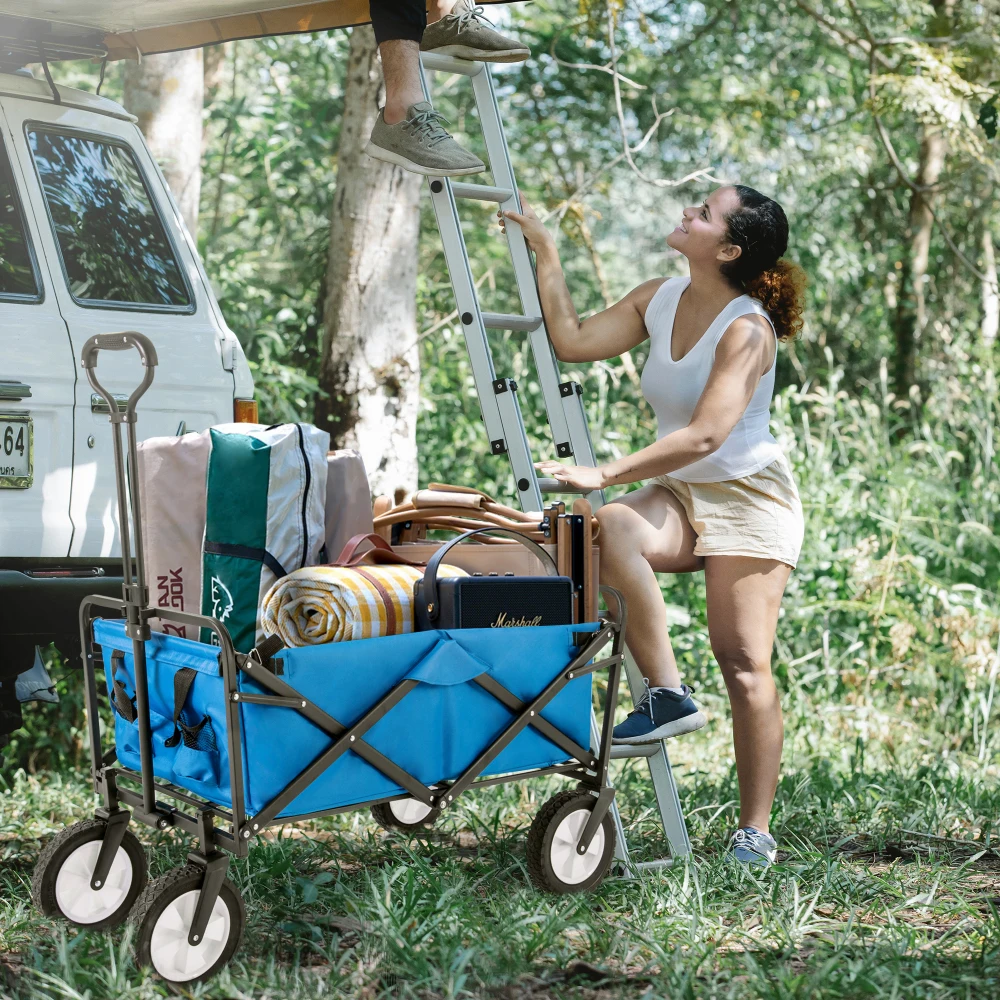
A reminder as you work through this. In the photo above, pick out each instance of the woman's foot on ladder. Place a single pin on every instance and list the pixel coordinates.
(660, 713)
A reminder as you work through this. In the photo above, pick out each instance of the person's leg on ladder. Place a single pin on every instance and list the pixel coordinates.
(642, 533)
(744, 596)
(408, 132)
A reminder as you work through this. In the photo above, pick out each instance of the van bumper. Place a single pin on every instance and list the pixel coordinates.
(40, 604)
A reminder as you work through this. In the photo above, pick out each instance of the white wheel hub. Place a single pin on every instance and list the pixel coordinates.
(409, 811)
(172, 957)
(569, 865)
(80, 903)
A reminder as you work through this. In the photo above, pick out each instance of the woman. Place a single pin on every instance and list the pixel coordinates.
(720, 495)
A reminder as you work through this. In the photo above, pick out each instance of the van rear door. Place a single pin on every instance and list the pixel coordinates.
(37, 377)
(121, 261)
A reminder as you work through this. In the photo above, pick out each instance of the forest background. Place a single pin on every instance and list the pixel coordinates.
(874, 124)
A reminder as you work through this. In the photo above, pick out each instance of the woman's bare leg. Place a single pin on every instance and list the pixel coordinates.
(744, 595)
(642, 533)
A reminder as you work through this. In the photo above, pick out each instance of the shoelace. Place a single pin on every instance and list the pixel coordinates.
(429, 122)
(646, 701)
(470, 14)
(743, 838)
(751, 839)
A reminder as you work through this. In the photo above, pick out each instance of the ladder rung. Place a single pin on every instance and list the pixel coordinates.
(449, 64)
(510, 321)
(482, 192)
(622, 750)
(556, 486)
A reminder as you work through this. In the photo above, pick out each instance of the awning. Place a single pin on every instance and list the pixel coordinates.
(130, 28)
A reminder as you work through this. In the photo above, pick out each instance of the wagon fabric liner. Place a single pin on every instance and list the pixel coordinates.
(434, 732)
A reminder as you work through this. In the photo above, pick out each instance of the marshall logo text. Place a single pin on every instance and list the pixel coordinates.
(502, 621)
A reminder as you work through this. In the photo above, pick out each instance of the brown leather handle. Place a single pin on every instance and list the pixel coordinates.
(380, 552)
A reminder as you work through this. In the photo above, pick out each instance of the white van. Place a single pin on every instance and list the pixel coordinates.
(91, 241)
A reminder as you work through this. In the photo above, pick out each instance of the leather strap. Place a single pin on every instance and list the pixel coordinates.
(430, 590)
(380, 552)
(390, 610)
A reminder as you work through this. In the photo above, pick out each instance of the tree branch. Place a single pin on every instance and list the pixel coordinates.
(658, 182)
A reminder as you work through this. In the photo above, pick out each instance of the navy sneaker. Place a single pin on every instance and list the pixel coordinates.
(752, 848)
(660, 713)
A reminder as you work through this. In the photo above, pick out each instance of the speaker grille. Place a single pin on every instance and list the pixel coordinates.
(515, 602)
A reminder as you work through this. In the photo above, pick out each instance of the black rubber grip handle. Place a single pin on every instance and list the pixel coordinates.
(119, 342)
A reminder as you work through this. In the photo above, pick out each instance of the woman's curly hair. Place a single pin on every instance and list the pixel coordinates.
(760, 229)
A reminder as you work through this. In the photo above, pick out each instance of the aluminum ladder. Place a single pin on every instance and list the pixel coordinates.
(498, 394)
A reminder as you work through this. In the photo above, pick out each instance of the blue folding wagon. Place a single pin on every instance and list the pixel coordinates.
(221, 744)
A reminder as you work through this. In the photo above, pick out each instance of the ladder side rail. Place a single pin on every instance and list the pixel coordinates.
(497, 396)
(664, 786)
(579, 429)
(563, 400)
(524, 272)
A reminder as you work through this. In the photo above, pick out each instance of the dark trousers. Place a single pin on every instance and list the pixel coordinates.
(394, 19)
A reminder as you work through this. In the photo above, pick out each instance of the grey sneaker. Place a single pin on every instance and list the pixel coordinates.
(421, 144)
(752, 848)
(466, 34)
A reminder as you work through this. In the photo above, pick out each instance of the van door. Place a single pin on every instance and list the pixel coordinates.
(124, 263)
(37, 379)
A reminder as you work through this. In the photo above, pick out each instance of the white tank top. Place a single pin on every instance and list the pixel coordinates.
(673, 388)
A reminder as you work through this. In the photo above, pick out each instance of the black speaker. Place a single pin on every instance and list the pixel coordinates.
(492, 601)
(497, 602)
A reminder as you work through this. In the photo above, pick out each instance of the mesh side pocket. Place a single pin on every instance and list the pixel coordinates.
(199, 737)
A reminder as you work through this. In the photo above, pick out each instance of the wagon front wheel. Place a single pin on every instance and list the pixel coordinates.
(61, 885)
(554, 862)
(163, 916)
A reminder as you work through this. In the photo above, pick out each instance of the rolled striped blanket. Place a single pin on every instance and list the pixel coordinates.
(319, 604)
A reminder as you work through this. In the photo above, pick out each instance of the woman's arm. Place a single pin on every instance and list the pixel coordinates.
(607, 334)
(744, 354)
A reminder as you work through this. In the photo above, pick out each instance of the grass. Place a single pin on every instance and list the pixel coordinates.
(888, 886)
(888, 812)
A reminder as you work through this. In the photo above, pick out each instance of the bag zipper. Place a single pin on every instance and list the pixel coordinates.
(305, 495)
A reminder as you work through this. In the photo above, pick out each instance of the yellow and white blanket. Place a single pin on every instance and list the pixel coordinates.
(319, 604)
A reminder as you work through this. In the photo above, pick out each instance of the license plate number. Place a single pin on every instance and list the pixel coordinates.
(15, 451)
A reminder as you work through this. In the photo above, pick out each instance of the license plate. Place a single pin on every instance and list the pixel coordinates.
(16, 453)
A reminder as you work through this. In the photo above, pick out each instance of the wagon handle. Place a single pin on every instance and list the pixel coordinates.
(120, 342)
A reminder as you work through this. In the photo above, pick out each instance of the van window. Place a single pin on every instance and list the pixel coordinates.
(17, 270)
(114, 247)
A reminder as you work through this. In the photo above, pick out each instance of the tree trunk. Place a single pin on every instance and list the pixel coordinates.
(166, 93)
(991, 294)
(911, 310)
(370, 367)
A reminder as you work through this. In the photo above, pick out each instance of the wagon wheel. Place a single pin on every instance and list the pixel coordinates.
(554, 863)
(402, 814)
(60, 886)
(163, 916)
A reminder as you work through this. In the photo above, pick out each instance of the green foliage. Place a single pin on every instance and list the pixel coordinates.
(886, 653)
(268, 178)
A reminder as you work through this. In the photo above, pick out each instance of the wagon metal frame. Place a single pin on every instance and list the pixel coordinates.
(222, 832)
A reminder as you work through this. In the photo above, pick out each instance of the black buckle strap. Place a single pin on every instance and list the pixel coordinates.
(123, 703)
(192, 735)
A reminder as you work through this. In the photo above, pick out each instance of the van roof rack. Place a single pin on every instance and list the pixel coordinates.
(26, 40)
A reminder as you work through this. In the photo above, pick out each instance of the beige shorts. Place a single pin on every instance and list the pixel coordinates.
(758, 515)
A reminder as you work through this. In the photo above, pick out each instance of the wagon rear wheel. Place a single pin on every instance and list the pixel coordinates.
(402, 814)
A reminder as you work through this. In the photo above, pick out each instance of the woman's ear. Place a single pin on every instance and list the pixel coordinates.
(728, 252)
